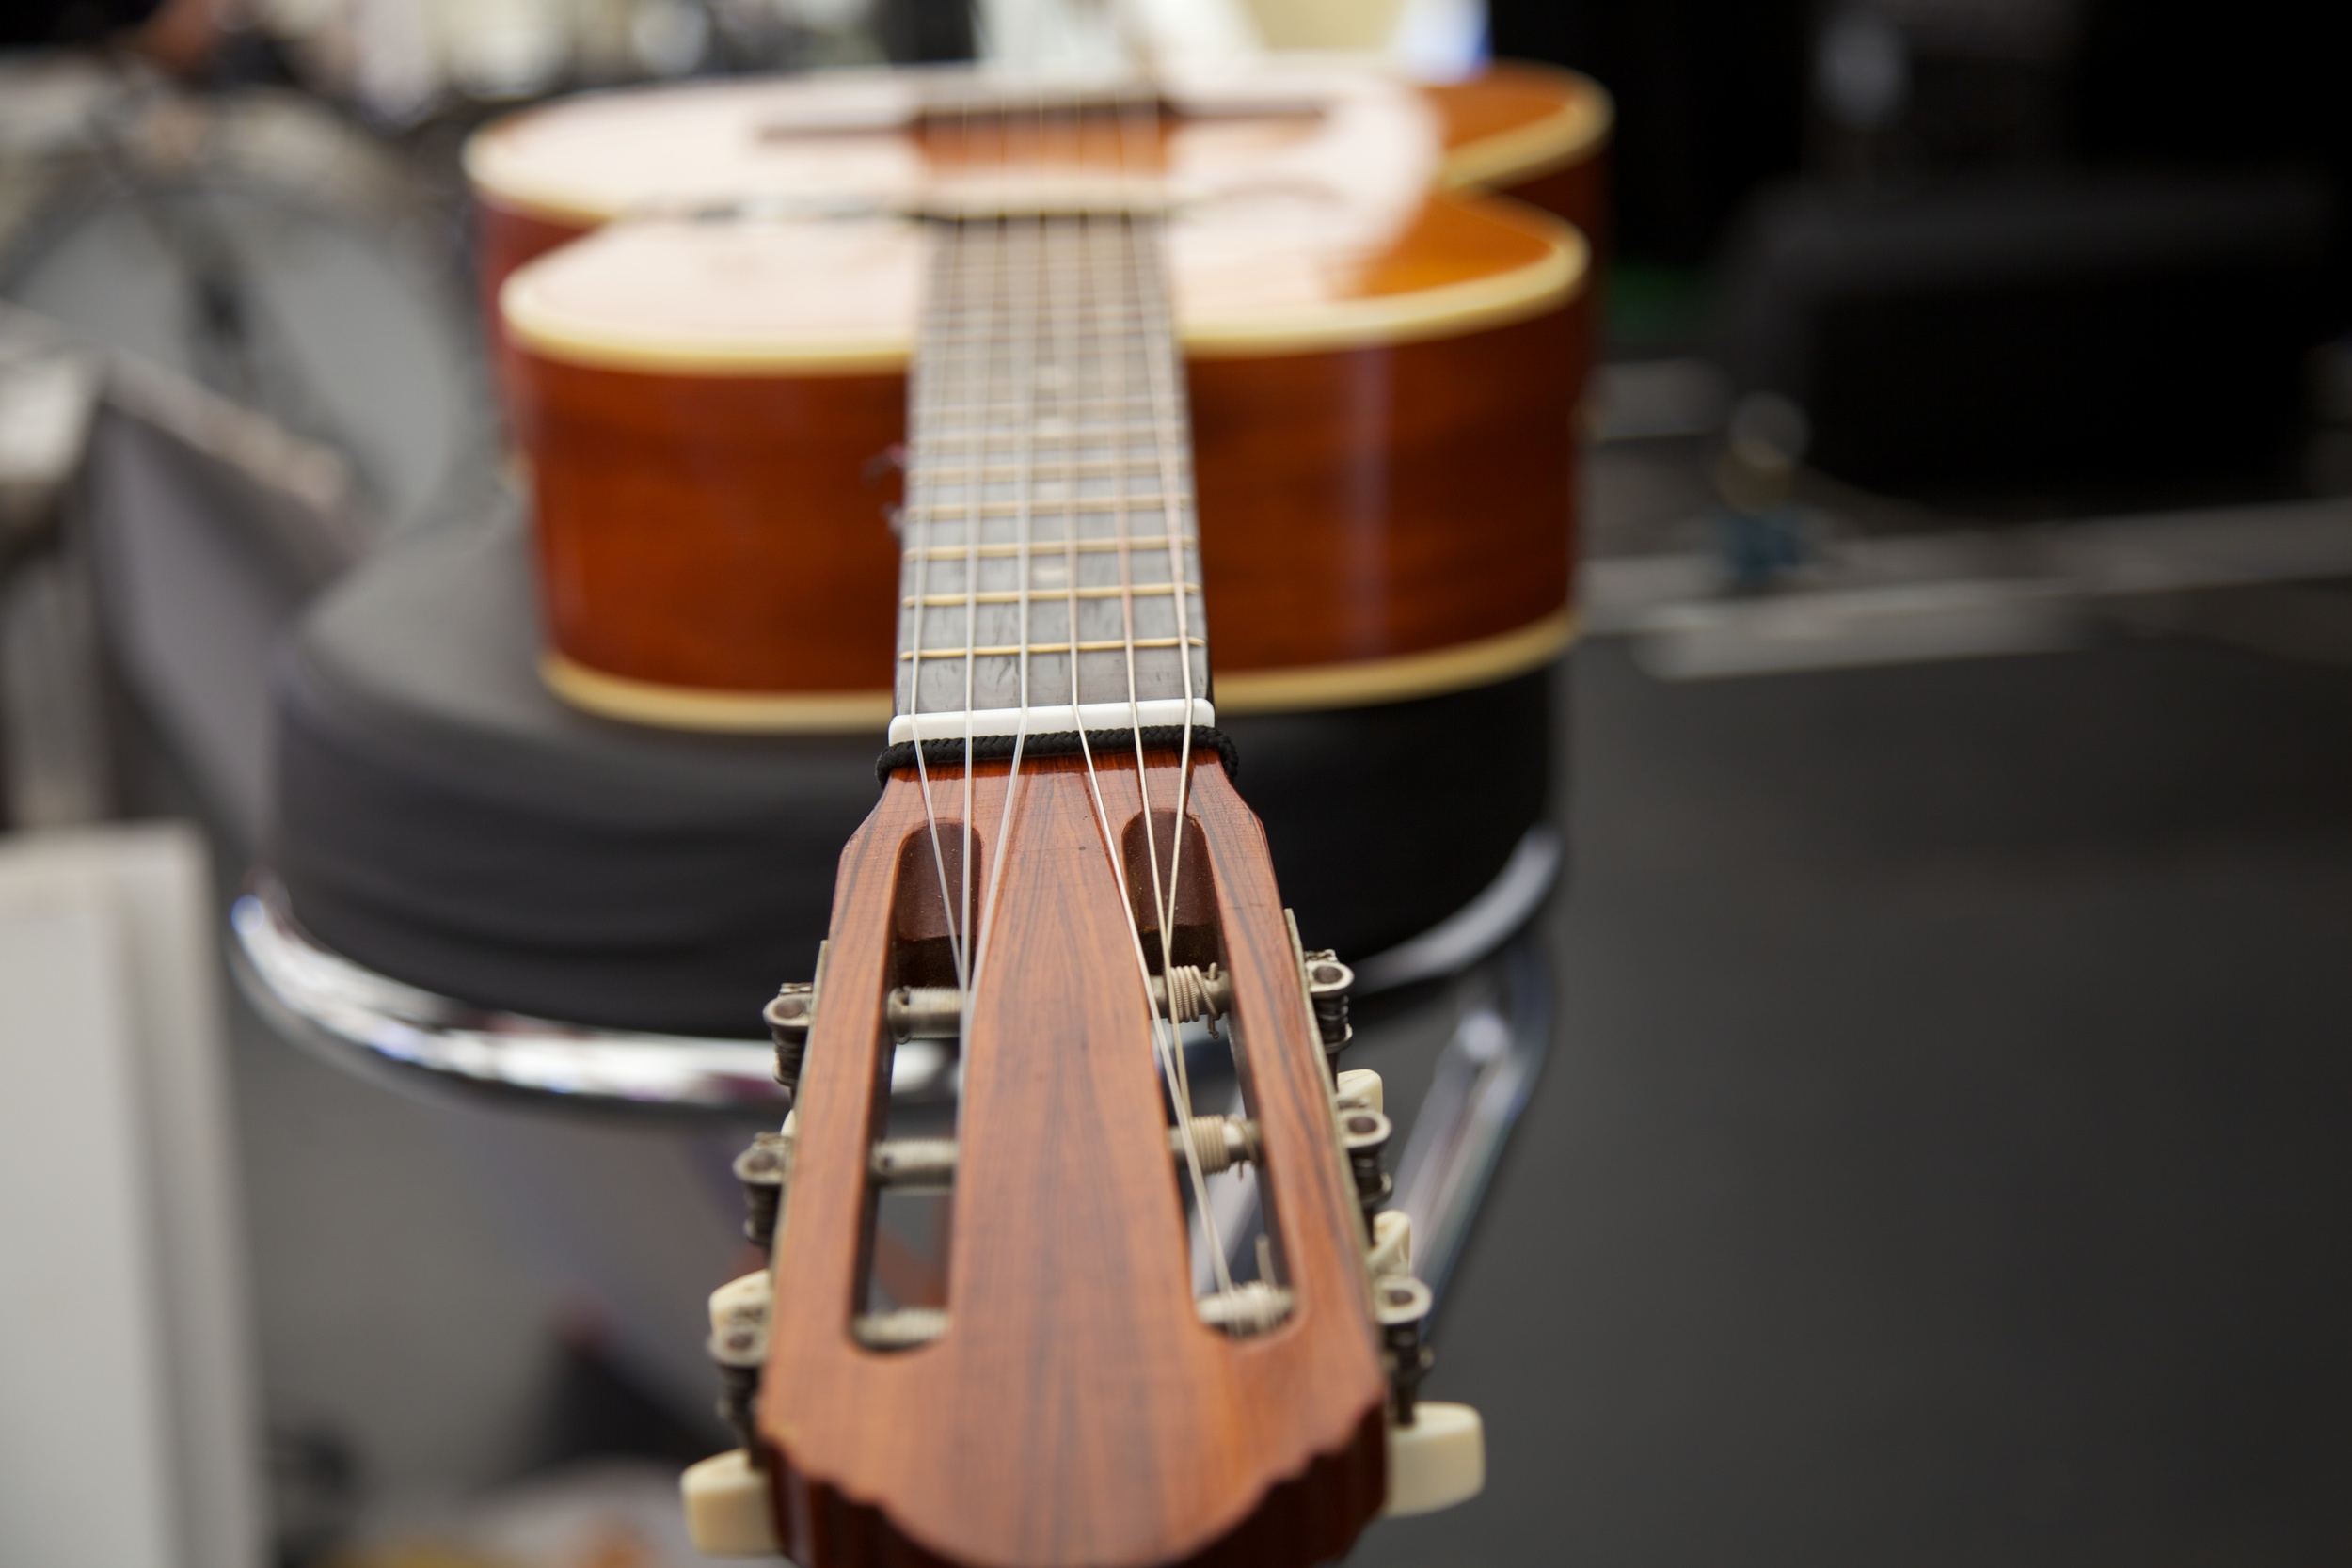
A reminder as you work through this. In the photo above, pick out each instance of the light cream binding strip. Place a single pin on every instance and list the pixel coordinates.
(687, 708)
(1576, 131)
(1301, 690)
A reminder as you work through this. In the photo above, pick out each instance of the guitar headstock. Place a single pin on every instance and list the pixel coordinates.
(1163, 1317)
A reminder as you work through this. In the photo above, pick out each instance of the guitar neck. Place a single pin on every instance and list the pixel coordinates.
(1051, 576)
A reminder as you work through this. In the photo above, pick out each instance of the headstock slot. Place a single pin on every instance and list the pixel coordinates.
(1195, 939)
(1236, 1183)
(905, 1243)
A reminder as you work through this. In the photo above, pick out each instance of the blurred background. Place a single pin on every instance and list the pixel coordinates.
(1940, 1154)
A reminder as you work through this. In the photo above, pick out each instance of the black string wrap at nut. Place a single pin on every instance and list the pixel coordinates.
(950, 752)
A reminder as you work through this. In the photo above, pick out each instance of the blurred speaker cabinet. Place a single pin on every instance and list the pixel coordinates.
(2121, 334)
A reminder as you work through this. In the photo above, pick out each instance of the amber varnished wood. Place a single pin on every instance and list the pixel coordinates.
(1497, 108)
(728, 532)
(1075, 1414)
(1388, 501)
(505, 237)
(718, 531)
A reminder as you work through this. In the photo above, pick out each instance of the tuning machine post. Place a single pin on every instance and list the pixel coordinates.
(764, 1168)
(1329, 983)
(1401, 1304)
(789, 1015)
(739, 1348)
(1364, 1136)
(727, 1497)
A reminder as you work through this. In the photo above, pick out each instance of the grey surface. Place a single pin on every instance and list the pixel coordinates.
(1943, 1161)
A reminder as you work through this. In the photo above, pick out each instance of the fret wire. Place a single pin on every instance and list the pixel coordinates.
(1077, 468)
(1007, 650)
(999, 552)
(1012, 595)
(950, 512)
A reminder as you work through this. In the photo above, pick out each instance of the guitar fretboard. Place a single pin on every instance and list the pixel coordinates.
(1051, 579)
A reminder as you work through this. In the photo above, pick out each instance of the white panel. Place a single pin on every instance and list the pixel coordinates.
(128, 1435)
(83, 1471)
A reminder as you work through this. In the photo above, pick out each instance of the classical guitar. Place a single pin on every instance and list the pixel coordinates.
(1382, 361)
(1162, 1330)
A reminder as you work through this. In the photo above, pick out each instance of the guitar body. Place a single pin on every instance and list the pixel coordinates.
(1533, 133)
(1382, 397)
(1094, 1421)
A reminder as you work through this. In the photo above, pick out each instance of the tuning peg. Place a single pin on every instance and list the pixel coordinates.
(913, 1164)
(1391, 1250)
(1358, 1088)
(739, 1347)
(1363, 1134)
(789, 1015)
(763, 1169)
(1401, 1304)
(728, 1511)
(1218, 1141)
(1436, 1460)
(1328, 981)
(1189, 992)
(924, 1013)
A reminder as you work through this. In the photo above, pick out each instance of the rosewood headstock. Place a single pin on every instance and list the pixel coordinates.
(1079, 1385)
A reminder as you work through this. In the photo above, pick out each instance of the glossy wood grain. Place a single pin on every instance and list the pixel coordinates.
(718, 531)
(725, 532)
(729, 532)
(1388, 501)
(1075, 1414)
(1386, 463)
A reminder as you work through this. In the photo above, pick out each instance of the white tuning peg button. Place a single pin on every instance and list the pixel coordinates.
(727, 1507)
(1391, 1243)
(1438, 1461)
(1359, 1089)
(740, 1299)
